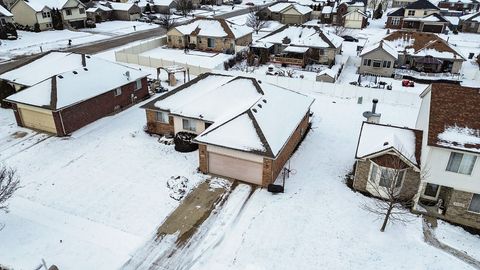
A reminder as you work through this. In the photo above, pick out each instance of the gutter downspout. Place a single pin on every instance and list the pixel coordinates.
(61, 121)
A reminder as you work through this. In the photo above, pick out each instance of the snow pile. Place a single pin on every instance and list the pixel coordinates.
(216, 183)
(177, 186)
(460, 138)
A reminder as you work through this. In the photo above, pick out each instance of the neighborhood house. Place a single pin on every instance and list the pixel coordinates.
(216, 35)
(233, 118)
(69, 100)
(30, 12)
(420, 15)
(416, 51)
(299, 45)
(286, 13)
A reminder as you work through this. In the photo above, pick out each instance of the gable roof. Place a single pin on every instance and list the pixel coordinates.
(376, 139)
(39, 5)
(356, 11)
(471, 17)
(397, 13)
(73, 86)
(304, 36)
(257, 129)
(454, 117)
(380, 45)
(421, 44)
(421, 4)
(282, 6)
(434, 17)
(213, 28)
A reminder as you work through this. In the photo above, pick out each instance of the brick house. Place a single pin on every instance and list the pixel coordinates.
(470, 23)
(388, 159)
(69, 100)
(420, 15)
(232, 117)
(286, 13)
(298, 45)
(450, 119)
(208, 34)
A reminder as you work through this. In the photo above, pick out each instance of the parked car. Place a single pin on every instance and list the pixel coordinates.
(144, 19)
(350, 38)
(408, 83)
(237, 2)
(250, 4)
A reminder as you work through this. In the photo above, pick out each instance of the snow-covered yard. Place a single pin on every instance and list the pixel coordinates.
(192, 57)
(89, 201)
(114, 28)
(31, 42)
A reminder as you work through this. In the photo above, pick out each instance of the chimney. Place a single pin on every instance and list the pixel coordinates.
(374, 105)
(84, 60)
(53, 93)
(128, 75)
(373, 116)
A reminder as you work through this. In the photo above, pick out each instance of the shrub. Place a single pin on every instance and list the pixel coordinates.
(36, 27)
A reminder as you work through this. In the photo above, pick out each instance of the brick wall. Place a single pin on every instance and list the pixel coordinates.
(272, 168)
(88, 111)
(203, 158)
(361, 175)
(156, 127)
(389, 23)
(244, 41)
(457, 209)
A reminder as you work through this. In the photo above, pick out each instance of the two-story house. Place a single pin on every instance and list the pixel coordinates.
(450, 186)
(470, 23)
(208, 34)
(455, 5)
(421, 15)
(286, 13)
(40, 11)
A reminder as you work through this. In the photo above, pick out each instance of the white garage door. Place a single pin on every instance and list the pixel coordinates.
(38, 119)
(235, 168)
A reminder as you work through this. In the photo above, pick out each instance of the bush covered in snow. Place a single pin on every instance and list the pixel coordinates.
(177, 186)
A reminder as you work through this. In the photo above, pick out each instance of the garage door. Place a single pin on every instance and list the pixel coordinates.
(38, 119)
(433, 28)
(235, 168)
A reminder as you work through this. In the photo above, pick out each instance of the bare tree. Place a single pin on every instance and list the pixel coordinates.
(167, 20)
(9, 183)
(255, 22)
(385, 183)
(184, 6)
(340, 30)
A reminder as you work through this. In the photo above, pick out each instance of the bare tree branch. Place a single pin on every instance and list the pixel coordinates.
(255, 22)
(9, 183)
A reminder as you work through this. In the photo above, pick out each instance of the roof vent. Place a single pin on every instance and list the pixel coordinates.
(259, 81)
(74, 72)
(385, 143)
(259, 105)
(86, 69)
(60, 76)
(254, 110)
(88, 56)
(201, 116)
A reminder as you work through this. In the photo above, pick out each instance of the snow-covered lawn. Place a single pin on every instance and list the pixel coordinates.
(192, 57)
(120, 27)
(459, 239)
(31, 42)
(88, 201)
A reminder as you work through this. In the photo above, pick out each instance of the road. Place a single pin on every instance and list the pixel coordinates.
(89, 48)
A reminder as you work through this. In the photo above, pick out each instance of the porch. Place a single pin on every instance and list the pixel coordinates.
(292, 55)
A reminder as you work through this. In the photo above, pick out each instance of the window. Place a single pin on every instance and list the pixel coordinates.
(425, 13)
(321, 51)
(377, 63)
(431, 190)
(81, 11)
(365, 62)
(411, 13)
(189, 124)
(68, 12)
(46, 14)
(395, 21)
(118, 91)
(475, 204)
(461, 163)
(138, 84)
(4, 22)
(369, 62)
(386, 177)
(161, 117)
(211, 43)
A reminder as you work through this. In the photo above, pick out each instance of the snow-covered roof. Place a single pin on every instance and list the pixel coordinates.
(295, 49)
(376, 138)
(214, 28)
(39, 5)
(332, 72)
(67, 88)
(304, 36)
(454, 20)
(279, 7)
(257, 129)
(120, 6)
(4, 12)
(327, 10)
(434, 17)
(99, 7)
(381, 44)
(52, 63)
(356, 11)
(471, 17)
(458, 137)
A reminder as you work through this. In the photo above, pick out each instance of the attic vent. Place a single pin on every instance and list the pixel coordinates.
(385, 143)
(88, 56)
(254, 110)
(75, 72)
(86, 69)
(264, 100)
(201, 116)
(60, 76)
(259, 105)
(259, 81)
